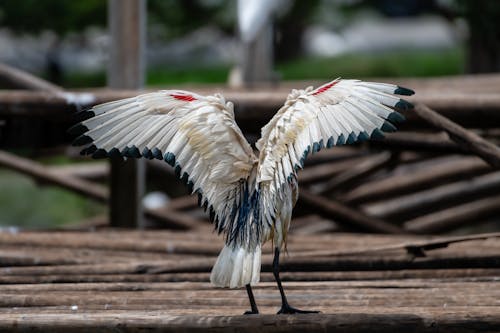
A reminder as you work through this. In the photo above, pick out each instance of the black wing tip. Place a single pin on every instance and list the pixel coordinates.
(388, 127)
(404, 91)
(77, 129)
(377, 134)
(82, 140)
(132, 151)
(100, 153)
(89, 150)
(157, 153)
(396, 117)
(403, 105)
(114, 152)
(170, 158)
(363, 136)
(84, 115)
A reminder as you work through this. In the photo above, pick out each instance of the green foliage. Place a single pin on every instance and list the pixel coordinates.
(25, 204)
(174, 17)
(393, 64)
(171, 76)
(179, 17)
(60, 16)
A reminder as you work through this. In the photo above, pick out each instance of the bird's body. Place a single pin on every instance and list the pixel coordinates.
(250, 197)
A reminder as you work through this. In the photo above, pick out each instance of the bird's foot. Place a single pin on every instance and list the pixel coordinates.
(287, 309)
(251, 312)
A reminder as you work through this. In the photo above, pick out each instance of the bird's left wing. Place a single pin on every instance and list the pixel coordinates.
(196, 134)
(339, 112)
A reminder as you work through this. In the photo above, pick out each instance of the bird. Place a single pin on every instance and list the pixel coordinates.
(249, 193)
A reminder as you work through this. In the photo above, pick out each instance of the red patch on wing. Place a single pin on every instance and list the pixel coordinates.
(185, 98)
(325, 88)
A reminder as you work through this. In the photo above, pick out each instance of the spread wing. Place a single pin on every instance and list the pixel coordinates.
(195, 134)
(339, 112)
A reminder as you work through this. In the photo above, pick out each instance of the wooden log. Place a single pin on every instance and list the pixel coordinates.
(345, 215)
(116, 282)
(360, 170)
(415, 204)
(416, 247)
(167, 245)
(92, 223)
(416, 180)
(455, 217)
(42, 173)
(401, 319)
(312, 224)
(471, 110)
(88, 171)
(418, 278)
(323, 171)
(91, 190)
(127, 25)
(24, 80)
(415, 141)
(182, 203)
(464, 138)
(225, 298)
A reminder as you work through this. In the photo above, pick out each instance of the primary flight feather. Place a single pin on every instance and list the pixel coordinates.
(250, 198)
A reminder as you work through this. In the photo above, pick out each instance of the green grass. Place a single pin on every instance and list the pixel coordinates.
(393, 64)
(24, 204)
(155, 77)
(167, 76)
(388, 64)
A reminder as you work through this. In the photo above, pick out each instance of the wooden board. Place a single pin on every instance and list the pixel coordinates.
(157, 281)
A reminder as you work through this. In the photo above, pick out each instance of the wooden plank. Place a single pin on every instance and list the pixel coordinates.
(148, 292)
(127, 23)
(344, 319)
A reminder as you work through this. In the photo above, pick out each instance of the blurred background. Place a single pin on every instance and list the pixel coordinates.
(205, 43)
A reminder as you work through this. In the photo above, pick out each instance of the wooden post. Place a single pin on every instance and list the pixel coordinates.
(258, 57)
(127, 21)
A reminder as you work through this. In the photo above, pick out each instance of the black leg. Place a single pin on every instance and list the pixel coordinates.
(253, 305)
(285, 307)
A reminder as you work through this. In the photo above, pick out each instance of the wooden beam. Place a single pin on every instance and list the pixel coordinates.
(127, 24)
(323, 171)
(344, 215)
(462, 137)
(359, 170)
(20, 79)
(421, 203)
(472, 110)
(470, 213)
(398, 184)
(416, 141)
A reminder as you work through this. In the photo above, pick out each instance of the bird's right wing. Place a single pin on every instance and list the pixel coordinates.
(196, 134)
(339, 112)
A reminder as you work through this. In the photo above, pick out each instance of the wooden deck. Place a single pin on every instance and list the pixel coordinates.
(157, 281)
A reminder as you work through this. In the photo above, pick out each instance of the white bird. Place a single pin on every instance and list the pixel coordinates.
(250, 197)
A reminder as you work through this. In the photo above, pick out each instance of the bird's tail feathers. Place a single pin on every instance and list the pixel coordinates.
(236, 267)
